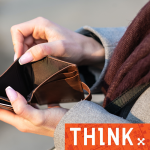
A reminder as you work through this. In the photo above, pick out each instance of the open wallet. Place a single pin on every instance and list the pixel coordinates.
(46, 81)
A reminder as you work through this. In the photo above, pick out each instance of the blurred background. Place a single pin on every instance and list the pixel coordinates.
(71, 14)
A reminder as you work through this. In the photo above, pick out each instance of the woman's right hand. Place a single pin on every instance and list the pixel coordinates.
(40, 37)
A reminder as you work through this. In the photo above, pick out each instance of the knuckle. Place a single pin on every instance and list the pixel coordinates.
(40, 18)
(43, 20)
(44, 49)
(39, 51)
(20, 110)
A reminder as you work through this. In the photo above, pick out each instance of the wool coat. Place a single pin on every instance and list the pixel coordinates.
(90, 112)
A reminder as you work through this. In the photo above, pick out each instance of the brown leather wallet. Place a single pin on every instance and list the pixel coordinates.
(46, 81)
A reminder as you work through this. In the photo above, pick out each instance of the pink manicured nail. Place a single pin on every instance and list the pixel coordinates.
(11, 93)
(15, 57)
(25, 58)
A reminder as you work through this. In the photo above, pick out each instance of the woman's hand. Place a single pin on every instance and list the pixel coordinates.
(42, 37)
(32, 41)
(30, 119)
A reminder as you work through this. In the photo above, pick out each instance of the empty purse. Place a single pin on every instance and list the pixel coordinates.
(46, 81)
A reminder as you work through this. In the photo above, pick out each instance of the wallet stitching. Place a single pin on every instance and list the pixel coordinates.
(4, 99)
(75, 76)
(59, 79)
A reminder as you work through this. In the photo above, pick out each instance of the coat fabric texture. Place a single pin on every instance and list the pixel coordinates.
(90, 112)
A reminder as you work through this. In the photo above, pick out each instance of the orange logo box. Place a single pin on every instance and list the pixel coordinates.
(107, 136)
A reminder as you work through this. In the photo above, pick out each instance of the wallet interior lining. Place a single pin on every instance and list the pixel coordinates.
(13, 77)
(25, 78)
(62, 76)
(45, 68)
(68, 89)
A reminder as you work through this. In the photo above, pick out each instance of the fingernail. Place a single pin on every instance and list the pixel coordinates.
(25, 58)
(11, 93)
(15, 57)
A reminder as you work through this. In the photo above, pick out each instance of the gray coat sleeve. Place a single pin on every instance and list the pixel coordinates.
(109, 38)
(85, 111)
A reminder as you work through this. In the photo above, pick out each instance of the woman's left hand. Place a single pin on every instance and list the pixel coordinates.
(29, 119)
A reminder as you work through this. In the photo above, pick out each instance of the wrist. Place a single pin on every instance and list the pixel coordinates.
(59, 114)
(93, 52)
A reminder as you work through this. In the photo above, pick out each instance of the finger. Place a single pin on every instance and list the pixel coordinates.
(22, 124)
(37, 52)
(25, 48)
(8, 117)
(20, 31)
(40, 41)
(15, 56)
(22, 109)
(12, 119)
(29, 41)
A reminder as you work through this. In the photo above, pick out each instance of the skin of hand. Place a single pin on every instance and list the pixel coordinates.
(40, 37)
(32, 41)
(29, 119)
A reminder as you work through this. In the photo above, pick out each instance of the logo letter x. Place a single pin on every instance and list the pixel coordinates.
(141, 141)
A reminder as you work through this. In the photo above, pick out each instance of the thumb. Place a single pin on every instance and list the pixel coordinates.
(22, 109)
(39, 51)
